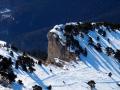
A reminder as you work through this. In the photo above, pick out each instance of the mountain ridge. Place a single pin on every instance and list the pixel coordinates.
(99, 62)
(33, 15)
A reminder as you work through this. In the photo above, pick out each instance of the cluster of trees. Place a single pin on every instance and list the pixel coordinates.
(20, 82)
(6, 69)
(79, 27)
(109, 51)
(102, 32)
(69, 29)
(91, 83)
(25, 62)
(98, 38)
(86, 26)
(117, 55)
(107, 24)
(70, 41)
(12, 47)
(49, 87)
(81, 35)
(97, 46)
(11, 53)
(90, 41)
(36, 87)
(85, 52)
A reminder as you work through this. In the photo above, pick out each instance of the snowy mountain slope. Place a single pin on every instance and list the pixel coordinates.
(75, 74)
(29, 79)
(98, 64)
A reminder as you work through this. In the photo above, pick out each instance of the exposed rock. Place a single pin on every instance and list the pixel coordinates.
(57, 50)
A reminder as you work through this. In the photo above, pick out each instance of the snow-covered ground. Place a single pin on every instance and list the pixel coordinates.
(75, 74)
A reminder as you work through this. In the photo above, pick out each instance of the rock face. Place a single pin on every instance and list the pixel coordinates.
(57, 50)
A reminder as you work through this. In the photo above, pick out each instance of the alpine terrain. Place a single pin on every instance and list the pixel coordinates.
(81, 56)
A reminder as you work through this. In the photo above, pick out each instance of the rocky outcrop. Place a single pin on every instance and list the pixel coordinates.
(63, 40)
(57, 50)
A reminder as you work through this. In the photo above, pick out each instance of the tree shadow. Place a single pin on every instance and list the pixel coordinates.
(91, 59)
(93, 89)
(17, 86)
(44, 69)
(37, 80)
(112, 64)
